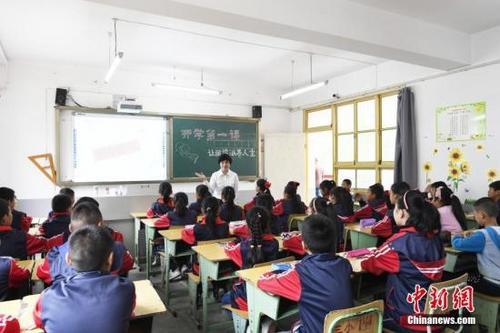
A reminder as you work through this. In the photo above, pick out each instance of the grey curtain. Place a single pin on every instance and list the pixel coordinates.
(405, 161)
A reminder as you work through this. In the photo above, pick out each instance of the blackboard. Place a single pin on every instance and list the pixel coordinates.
(196, 144)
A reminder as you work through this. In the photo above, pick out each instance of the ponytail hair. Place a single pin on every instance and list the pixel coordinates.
(266, 201)
(291, 192)
(447, 198)
(344, 199)
(210, 208)
(258, 223)
(327, 186)
(202, 192)
(264, 186)
(165, 190)
(423, 215)
(181, 202)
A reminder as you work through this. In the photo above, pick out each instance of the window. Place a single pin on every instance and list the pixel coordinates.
(360, 137)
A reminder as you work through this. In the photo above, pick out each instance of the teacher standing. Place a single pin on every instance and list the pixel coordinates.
(221, 178)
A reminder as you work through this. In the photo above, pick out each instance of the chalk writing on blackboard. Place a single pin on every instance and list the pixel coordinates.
(185, 151)
(233, 152)
(210, 134)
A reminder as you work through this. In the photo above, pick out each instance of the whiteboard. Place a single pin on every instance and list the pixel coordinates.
(111, 148)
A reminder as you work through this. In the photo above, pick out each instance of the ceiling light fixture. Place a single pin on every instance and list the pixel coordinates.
(116, 61)
(199, 90)
(302, 90)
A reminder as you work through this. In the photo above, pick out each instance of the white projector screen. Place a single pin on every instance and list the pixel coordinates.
(105, 148)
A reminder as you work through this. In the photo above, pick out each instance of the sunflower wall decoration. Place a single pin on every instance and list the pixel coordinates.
(492, 174)
(427, 169)
(458, 168)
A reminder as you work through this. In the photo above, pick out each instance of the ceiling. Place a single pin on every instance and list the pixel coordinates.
(468, 16)
(78, 32)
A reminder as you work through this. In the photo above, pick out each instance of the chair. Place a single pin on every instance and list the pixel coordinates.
(293, 220)
(450, 286)
(486, 311)
(366, 318)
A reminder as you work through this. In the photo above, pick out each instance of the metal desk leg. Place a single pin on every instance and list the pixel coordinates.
(253, 313)
(137, 227)
(149, 234)
(204, 295)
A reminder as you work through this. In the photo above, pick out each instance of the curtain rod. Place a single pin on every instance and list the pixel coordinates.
(395, 86)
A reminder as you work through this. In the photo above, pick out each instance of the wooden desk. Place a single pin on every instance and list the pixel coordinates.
(11, 308)
(170, 239)
(137, 216)
(149, 237)
(210, 256)
(37, 263)
(28, 264)
(360, 237)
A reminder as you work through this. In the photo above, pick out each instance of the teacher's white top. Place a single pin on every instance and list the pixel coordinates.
(218, 181)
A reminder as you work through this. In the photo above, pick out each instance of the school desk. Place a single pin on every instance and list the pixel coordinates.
(262, 303)
(295, 221)
(210, 256)
(170, 238)
(149, 225)
(458, 261)
(37, 221)
(360, 237)
(137, 216)
(147, 304)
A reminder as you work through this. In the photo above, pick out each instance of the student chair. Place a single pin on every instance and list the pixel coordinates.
(486, 311)
(450, 286)
(293, 221)
(366, 318)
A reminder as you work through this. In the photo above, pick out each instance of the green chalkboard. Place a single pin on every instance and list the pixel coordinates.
(196, 144)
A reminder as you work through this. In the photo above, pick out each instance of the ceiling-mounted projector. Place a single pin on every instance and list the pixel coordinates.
(129, 105)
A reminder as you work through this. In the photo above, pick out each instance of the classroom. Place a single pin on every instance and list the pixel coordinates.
(249, 166)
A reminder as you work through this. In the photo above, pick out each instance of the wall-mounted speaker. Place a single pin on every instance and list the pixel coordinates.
(257, 111)
(61, 96)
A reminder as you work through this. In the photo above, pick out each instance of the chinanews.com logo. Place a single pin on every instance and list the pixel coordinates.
(439, 303)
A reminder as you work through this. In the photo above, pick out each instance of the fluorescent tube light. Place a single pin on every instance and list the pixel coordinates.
(305, 89)
(114, 65)
(200, 90)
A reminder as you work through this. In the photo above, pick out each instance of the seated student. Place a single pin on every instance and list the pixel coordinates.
(341, 201)
(229, 211)
(267, 201)
(164, 203)
(66, 191)
(69, 192)
(20, 220)
(386, 227)
(90, 300)
(211, 226)
(320, 283)
(181, 215)
(60, 217)
(290, 204)
(117, 236)
(326, 187)
(347, 184)
(376, 207)
(11, 277)
(486, 243)
(260, 247)
(494, 194)
(16, 243)
(262, 186)
(414, 255)
(293, 241)
(55, 267)
(202, 193)
(451, 212)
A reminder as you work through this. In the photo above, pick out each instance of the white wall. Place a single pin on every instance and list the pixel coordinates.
(27, 126)
(465, 87)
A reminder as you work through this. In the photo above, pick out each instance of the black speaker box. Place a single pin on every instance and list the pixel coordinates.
(61, 96)
(257, 111)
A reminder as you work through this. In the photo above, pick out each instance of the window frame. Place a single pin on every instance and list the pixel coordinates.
(378, 164)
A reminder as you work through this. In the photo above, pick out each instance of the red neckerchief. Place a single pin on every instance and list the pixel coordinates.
(5, 228)
(217, 221)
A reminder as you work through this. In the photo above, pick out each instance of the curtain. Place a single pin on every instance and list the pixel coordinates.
(405, 161)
